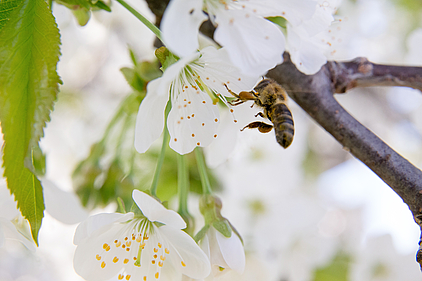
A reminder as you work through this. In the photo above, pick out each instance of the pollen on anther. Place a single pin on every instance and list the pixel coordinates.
(103, 264)
(235, 121)
(115, 241)
(155, 250)
(188, 117)
(115, 259)
(145, 278)
(189, 102)
(118, 244)
(98, 257)
(193, 135)
(183, 263)
(203, 101)
(121, 276)
(162, 258)
(216, 120)
(203, 124)
(207, 78)
(215, 136)
(185, 105)
(128, 277)
(231, 110)
(128, 243)
(155, 256)
(175, 139)
(128, 249)
(198, 143)
(167, 251)
(126, 238)
(123, 246)
(159, 245)
(157, 275)
(160, 264)
(125, 261)
(153, 261)
(239, 79)
(193, 115)
(134, 258)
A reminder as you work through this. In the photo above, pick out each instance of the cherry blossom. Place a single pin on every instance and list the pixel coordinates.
(147, 246)
(254, 43)
(193, 84)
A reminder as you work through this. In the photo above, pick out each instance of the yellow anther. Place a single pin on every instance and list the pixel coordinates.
(125, 261)
(155, 256)
(159, 245)
(155, 250)
(128, 277)
(115, 259)
(128, 243)
(183, 263)
(120, 277)
(160, 264)
(127, 249)
(153, 261)
(105, 246)
(157, 275)
(118, 244)
(166, 251)
(142, 245)
(126, 240)
(98, 257)
(162, 258)
(139, 239)
(145, 278)
(103, 264)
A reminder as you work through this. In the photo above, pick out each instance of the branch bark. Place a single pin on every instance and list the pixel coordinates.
(315, 94)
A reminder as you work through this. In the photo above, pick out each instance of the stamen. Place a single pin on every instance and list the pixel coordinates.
(167, 250)
(115, 259)
(103, 264)
(183, 263)
(98, 257)
(128, 277)
(157, 275)
(120, 277)
(125, 261)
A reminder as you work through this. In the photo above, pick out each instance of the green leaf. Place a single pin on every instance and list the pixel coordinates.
(6, 7)
(29, 52)
(336, 270)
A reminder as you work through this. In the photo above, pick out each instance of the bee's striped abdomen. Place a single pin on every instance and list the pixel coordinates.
(282, 119)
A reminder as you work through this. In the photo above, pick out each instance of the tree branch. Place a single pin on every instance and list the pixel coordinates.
(314, 93)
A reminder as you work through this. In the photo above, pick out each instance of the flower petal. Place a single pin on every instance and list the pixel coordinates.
(96, 222)
(61, 205)
(254, 44)
(180, 26)
(232, 250)
(8, 231)
(294, 11)
(219, 70)
(155, 211)
(93, 259)
(185, 253)
(192, 121)
(150, 119)
(307, 54)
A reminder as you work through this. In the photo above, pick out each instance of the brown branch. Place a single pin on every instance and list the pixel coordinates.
(314, 93)
(362, 73)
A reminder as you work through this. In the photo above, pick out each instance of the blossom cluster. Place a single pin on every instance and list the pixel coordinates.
(251, 45)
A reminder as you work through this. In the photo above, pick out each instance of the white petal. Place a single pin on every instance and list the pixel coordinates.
(192, 121)
(306, 53)
(254, 44)
(61, 205)
(150, 119)
(219, 70)
(232, 250)
(8, 231)
(293, 11)
(184, 249)
(96, 222)
(180, 26)
(93, 259)
(155, 211)
(8, 208)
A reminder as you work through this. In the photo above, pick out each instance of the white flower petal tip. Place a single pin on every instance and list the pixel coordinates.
(150, 118)
(134, 248)
(224, 253)
(61, 205)
(180, 26)
(155, 211)
(254, 44)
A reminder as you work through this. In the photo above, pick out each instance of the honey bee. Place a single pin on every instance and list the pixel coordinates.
(272, 98)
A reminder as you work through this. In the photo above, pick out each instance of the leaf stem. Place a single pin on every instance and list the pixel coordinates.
(206, 187)
(148, 24)
(162, 154)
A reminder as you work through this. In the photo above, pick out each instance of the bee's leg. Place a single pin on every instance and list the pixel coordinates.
(261, 126)
(236, 102)
(260, 114)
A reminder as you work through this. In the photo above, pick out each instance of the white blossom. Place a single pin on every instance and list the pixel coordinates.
(150, 246)
(193, 85)
(254, 43)
(224, 252)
